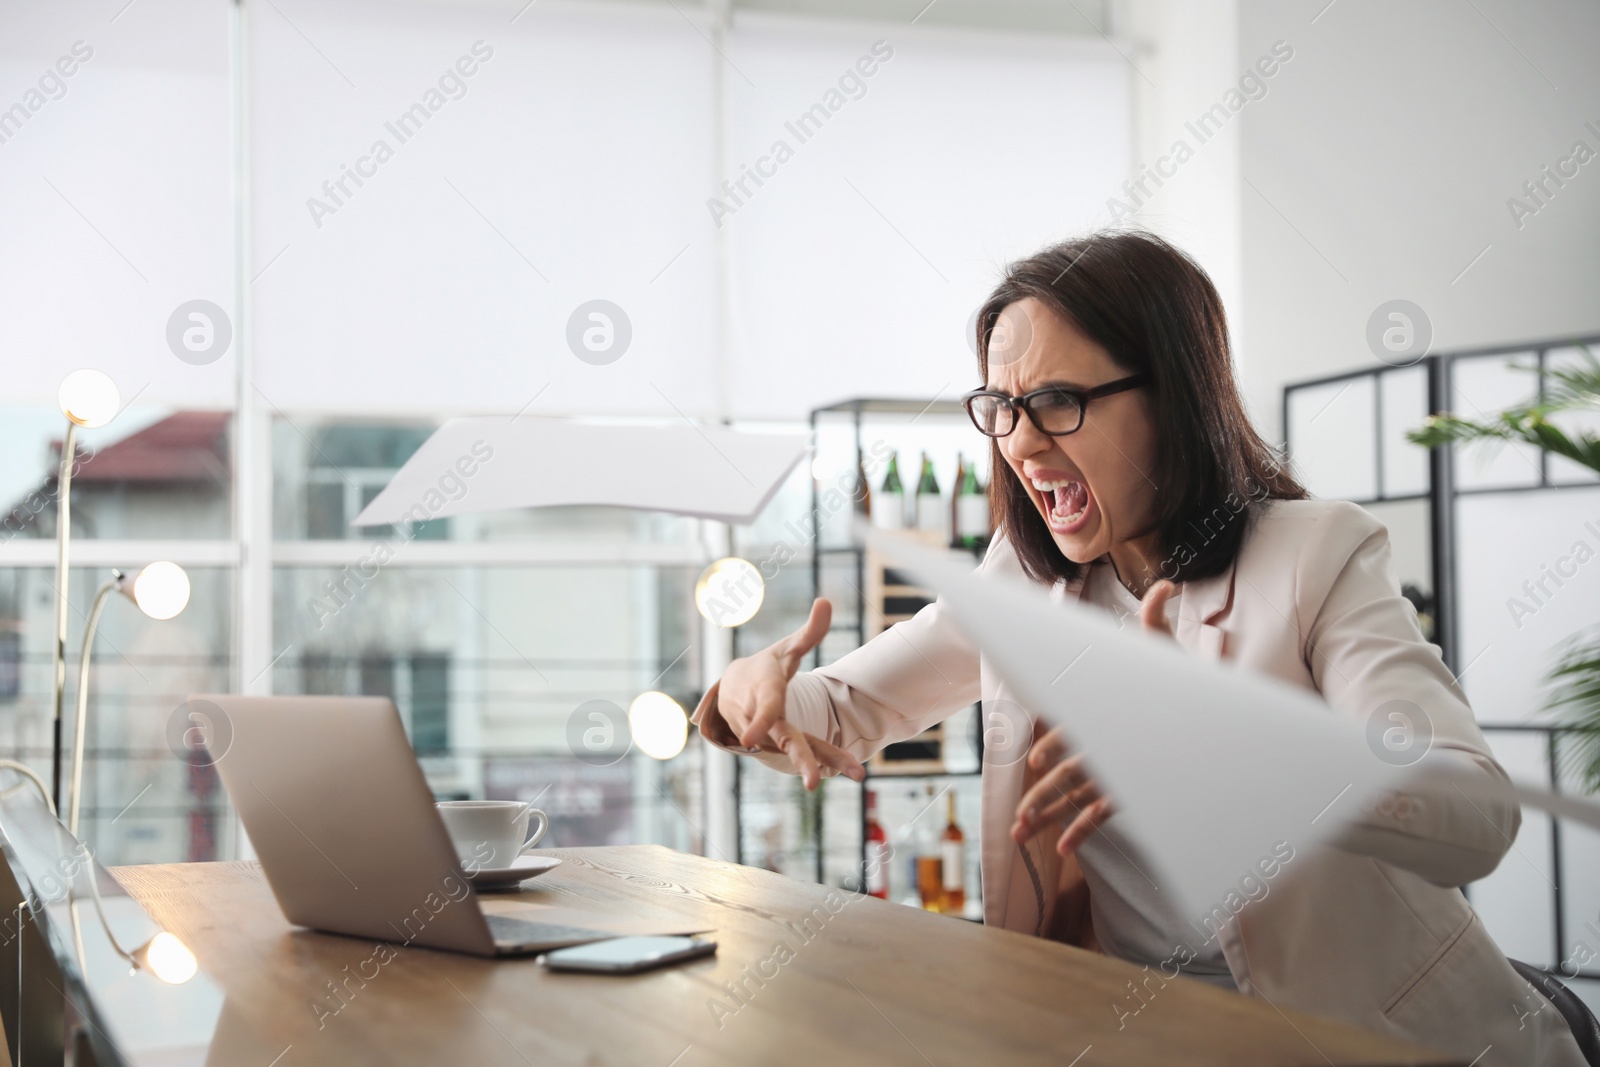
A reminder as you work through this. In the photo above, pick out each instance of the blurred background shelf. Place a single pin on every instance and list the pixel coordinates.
(780, 824)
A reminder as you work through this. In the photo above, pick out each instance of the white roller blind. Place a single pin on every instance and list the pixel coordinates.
(859, 263)
(116, 181)
(570, 165)
(577, 165)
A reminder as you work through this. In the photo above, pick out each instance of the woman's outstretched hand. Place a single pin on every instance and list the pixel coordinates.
(745, 709)
(1066, 793)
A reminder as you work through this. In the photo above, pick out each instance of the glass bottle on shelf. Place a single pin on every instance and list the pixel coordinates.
(863, 491)
(971, 510)
(878, 852)
(953, 860)
(930, 861)
(930, 512)
(906, 847)
(955, 500)
(889, 502)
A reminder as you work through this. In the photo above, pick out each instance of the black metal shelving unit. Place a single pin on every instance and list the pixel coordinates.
(1441, 495)
(857, 411)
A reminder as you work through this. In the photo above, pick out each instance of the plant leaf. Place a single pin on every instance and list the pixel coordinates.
(1576, 703)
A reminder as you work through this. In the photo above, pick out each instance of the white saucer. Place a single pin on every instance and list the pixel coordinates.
(521, 870)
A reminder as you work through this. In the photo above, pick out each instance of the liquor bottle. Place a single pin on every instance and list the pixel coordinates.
(909, 856)
(930, 863)
(953, 856)
(878, 851)
(930, 517)
(971, 509)
(955, 500)
(863, 490)
(889, 502)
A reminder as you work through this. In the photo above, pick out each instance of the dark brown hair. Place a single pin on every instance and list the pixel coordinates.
(1155, 312)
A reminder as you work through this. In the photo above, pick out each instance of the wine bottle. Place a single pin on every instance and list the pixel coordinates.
(878, 851)
(889, 502)
(971, 511)
(863, 490)
(929, 515)
(953, 860)
(955, 500)
(909, 855)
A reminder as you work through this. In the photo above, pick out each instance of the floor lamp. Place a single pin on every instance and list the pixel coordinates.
(161, 590)
(87, 398)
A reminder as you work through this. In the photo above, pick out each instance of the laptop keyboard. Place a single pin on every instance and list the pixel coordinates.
(508, 930)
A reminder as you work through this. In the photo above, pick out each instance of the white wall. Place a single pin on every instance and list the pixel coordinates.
(1183, 58)
(1380, 166)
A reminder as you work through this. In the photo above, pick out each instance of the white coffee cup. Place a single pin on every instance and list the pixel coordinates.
(491, 834)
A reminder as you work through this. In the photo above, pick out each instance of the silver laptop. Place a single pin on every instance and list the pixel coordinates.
(343, 822)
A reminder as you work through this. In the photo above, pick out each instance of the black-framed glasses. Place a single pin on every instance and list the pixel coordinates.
(1054, 410)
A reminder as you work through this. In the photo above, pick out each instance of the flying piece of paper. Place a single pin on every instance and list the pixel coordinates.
(491, 463)
(1163, 729)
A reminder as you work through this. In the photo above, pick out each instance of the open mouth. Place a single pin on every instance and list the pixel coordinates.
(1066, 503)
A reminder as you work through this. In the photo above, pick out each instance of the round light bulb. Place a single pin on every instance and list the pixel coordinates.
(658, 725)
(169, 959)
(89, 398)
(161, 589)
(729, 592)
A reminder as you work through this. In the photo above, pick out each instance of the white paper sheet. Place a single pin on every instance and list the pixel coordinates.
(1209, 766)
(491, 463)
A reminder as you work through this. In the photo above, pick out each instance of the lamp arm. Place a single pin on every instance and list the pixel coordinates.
(30, 774)
(100, 910)
(94, 885)
(75, 796)
(69, 449)
(99, 907)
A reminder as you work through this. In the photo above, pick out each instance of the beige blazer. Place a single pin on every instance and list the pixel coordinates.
(1374, 932)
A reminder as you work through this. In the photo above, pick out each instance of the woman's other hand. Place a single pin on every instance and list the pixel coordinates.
(1153, 608)
(745, 709)
(1066, 792)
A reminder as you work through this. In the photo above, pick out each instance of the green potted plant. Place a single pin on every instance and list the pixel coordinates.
(1574, 680)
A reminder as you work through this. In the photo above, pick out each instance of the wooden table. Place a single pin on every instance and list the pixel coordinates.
(804, 974)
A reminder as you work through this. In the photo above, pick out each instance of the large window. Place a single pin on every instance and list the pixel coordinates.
(495, 661)
(155, 483)
(142, 804)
